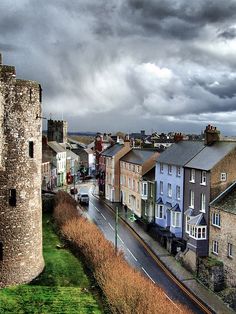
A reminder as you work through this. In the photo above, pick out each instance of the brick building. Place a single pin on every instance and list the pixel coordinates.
(21, 257)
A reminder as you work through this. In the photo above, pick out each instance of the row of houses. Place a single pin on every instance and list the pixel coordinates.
(185, 194)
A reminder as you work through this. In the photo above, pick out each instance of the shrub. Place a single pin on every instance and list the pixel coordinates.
(127, 290)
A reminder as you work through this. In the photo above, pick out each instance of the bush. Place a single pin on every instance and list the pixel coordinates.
(127, 291)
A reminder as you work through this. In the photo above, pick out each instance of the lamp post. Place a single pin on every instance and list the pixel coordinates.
(116, 227)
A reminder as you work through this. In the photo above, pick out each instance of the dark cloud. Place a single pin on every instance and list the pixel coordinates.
(127, 64)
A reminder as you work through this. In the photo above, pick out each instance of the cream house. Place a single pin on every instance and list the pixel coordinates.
(112, 161)
(133, 166)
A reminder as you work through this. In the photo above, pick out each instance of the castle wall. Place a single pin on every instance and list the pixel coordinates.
(21, 257)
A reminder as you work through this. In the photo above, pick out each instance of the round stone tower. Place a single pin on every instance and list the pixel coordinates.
(21, 257)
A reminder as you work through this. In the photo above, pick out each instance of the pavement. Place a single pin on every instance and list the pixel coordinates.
(214, 303)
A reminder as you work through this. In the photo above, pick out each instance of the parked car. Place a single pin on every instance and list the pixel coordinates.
(73, 191)
(83, 198)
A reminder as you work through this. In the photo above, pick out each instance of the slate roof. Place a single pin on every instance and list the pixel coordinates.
(211, 155)
(112, 151)
(56, 147)
(71, 154)
(138, 156)
(180, 153)
(198, 220)
(226, 201)
(150, 174)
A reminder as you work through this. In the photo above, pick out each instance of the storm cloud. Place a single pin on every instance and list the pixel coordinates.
(127, 65)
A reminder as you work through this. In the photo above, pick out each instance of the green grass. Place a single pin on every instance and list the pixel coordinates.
(63, 287)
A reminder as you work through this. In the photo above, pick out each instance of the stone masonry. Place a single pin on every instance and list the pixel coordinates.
(21, 257)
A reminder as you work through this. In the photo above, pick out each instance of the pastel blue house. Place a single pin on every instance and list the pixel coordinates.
(170, 187)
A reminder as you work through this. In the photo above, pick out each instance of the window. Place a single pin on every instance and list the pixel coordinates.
(144, 188)
(12, 197)
(197, 232)
(169, 169)
(160, 211)
(178, 171)
(191, 199)
(178, 192)
(129, 183)
(133, 185)
(187, 224)
(169, 188)
(223, 176)
(161, 187)
(175, 219)
(215, 247)
(215, 219)
(192, 175)
(151, 189)
(230, 250)
(1, 251)
(31, 149)
(161, 168)
(203, 203)
(203, 177)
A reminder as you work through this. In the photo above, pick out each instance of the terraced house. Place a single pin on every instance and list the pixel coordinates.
(170, 190)
(112, 165)
(132, 168)
(207, 175)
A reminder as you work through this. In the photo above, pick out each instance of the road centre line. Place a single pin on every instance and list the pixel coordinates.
(95, 207)
(120, 239)
(148, 275)
(172, 302)
(132, 255)
(103, 216)
(111, 226)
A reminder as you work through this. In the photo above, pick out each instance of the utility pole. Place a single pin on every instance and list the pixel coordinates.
(116, 227)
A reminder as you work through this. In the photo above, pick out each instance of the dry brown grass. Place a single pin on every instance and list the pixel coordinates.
(126, 290)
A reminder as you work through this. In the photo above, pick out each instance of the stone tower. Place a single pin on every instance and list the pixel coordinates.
(57, 131)
(21, 257)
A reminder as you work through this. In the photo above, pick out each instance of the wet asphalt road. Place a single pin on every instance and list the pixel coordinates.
(135, 253)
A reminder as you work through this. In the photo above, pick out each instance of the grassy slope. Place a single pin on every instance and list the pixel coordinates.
(63, 287)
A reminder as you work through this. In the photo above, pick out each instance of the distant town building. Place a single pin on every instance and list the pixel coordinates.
(21, 257)
(57, 131)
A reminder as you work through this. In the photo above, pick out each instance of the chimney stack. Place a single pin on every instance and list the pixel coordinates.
(178, 137)
(0, 58)
(211, 135)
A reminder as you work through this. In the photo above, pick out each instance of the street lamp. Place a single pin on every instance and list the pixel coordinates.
(116, 227)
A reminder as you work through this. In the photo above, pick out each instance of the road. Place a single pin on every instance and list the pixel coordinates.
(135, 251)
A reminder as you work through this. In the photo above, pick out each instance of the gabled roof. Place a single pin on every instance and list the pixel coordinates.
(149, 175)
(56, 147)
(180, 153)
(176, 208)
(138, 156)
(198, 220)
(112, 151)
(207, 158)
(72, 155)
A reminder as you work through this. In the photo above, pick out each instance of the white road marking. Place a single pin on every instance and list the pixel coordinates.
(172, 302)
(103, 216)
(111, 226)
(95, 207)
(148, 275)
(132, 255)
(120, 239)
